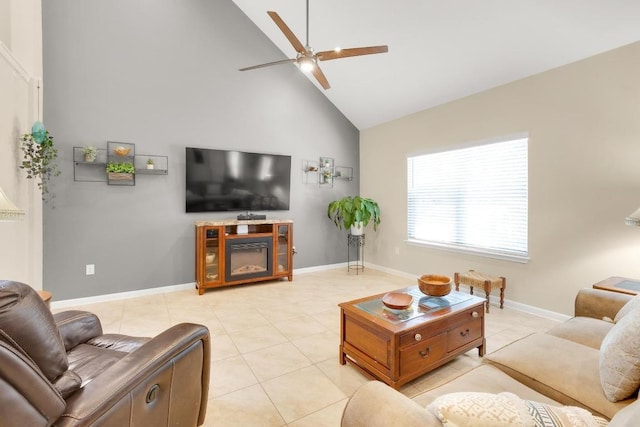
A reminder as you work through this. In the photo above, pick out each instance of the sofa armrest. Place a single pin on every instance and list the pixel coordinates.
(26, 396)
(77, 327)
(164, 382)
(377, 405)
(627, 416)
(598, 303)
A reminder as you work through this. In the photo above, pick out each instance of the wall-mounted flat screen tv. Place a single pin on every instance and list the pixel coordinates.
(222, 180)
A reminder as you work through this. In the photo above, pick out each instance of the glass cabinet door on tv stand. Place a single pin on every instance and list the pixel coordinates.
(208, 271)
(283, 248)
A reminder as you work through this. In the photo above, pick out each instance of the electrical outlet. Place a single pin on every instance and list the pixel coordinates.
(293, 248)
(90, 269)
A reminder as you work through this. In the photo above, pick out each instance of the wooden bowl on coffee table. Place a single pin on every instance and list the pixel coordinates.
(397, 300)
(434, 285)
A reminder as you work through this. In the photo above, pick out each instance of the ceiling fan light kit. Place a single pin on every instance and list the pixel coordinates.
(307, 59)
(306, 63)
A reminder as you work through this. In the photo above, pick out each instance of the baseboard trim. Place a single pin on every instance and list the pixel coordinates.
(121, 295)
(507, 303)
(165, 289)
(319, 268)
(175, 288)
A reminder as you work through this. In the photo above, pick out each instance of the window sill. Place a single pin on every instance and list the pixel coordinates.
(522, 259)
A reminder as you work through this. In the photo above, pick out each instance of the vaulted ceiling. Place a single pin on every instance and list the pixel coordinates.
(441, 50)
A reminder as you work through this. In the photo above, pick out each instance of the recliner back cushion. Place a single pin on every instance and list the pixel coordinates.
(26, 322)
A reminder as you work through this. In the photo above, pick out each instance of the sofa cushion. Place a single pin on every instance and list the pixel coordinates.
(583, 330)
(484, 378)
(506, 409)
(27, 324)
(551, 416)
(631, 305)
(620, 358)
(564, 370)
(481, 409)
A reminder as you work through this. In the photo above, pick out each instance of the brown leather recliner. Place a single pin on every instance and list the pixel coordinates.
(62, 370)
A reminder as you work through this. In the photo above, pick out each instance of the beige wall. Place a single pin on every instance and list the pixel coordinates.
(20, 70)
(583, 121)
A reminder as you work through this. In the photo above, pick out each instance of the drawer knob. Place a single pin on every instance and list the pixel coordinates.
(475, 314)
(417, 337)
(425, 354)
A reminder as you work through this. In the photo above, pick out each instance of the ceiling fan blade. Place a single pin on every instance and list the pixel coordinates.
(268, 64)
(320, 77)
(356, 51)
(297, 45)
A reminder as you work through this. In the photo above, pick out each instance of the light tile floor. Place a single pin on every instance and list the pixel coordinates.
(275, 344)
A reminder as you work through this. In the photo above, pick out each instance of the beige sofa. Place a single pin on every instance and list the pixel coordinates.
(559, 368)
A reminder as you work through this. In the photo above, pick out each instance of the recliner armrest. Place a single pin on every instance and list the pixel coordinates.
(26, 396)
(177, 361)
(77, 327)
(598, 303)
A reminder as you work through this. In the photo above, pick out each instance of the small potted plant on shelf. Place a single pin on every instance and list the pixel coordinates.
(327, 175)
(90, 153)
(354, 213)
(149, 163)
(122, 171)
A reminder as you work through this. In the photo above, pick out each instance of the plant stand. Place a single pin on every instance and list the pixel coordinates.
(355, 244)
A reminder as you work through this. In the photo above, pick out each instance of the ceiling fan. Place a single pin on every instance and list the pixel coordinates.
(307, 59)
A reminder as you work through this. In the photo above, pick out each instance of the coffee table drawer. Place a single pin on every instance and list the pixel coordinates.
(422, 354)
(464, 334)
(420, 334)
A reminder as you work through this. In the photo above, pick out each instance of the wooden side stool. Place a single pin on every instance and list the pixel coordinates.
(475, 278)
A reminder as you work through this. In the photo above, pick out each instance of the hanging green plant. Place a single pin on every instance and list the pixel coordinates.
(39, 156)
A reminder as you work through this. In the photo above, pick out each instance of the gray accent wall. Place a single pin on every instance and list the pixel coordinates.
(163, 75)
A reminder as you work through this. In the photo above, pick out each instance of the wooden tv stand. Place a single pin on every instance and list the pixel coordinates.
(235, 252)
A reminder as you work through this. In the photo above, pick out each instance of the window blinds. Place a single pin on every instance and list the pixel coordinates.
(473, 198)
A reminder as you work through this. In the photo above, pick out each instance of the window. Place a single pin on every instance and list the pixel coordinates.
(471, 199)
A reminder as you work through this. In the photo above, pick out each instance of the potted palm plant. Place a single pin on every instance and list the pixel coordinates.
(354, 213)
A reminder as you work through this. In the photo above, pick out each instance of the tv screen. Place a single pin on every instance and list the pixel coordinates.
(221, 180)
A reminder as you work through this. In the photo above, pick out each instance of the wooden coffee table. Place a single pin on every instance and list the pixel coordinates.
(399, 346)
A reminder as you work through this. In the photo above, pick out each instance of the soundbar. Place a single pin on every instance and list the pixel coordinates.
(250, 216)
